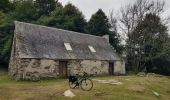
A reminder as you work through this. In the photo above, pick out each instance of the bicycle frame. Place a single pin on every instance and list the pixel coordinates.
(80, 78)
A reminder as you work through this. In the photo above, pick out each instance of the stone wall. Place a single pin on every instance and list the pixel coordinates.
(119, 67)
(14, 59)
(92, 67)
(35, 69)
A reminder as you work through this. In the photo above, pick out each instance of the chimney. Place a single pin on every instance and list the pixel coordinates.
(106, 37)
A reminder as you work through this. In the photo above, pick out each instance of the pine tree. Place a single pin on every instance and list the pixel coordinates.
(98, 24)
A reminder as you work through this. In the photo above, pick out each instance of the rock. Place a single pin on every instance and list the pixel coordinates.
(155, 75)
(113, 82)
(127, 79)
(69, 93)
(155, 93)
(142, 74)
(99, 93)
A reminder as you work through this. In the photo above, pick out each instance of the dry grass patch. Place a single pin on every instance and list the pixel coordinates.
(133, 88)
(136, 88)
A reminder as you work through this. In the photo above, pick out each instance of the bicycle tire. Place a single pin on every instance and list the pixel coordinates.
(72, 85)
(86, 82)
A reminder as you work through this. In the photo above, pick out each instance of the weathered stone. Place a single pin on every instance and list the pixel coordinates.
(33, 69)
(119, 67)
(155, 93)
(142, 74)
(92, 67)
(69, 93)
(47, 67)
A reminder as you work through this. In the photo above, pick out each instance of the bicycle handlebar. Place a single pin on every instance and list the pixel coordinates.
(85, 74)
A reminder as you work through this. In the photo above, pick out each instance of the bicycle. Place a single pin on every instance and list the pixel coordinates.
(84, 82)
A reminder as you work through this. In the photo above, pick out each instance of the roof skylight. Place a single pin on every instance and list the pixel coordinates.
(68, 46)
(91, 48)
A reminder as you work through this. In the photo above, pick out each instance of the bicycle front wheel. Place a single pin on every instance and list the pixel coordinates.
(86, 84)
(72, 85)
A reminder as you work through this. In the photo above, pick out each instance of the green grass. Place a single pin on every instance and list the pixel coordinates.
(133, 88)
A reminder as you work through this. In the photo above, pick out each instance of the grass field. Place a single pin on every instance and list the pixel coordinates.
(133, 88)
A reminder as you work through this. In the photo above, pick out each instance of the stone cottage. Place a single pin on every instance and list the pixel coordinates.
(43, 52)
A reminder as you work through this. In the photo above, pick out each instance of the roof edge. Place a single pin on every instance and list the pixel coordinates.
(18, 22)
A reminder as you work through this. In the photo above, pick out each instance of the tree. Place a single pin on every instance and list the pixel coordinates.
(99, 25)
(130, 15)
(6, 28)
(44, 7)
(131, 18)
(150, 36)
(24, 11)
(115, 36)
(162, 62)
(69, 18)
(5, 5)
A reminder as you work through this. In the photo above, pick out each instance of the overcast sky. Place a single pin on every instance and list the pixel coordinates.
(88, 7)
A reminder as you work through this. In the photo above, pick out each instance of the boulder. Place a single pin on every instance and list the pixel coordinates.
(69, 93)
(155, 93)
(141, 74)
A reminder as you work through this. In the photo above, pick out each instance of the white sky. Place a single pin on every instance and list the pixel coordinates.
(89, 7)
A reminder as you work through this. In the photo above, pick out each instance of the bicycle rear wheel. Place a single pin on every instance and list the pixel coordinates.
(86, 84)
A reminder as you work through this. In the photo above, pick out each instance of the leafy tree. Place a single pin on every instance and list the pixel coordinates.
(141, 47)
(6, 28)
(24, 11)
(69, 18)
(162, 62)
(5, 5)
(146, 43)
(44, 7)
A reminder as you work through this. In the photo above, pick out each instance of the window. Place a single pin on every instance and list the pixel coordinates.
(67, 46)
(91, 48)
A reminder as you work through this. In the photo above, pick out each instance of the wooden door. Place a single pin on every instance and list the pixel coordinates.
(111, 68)
(63, 69)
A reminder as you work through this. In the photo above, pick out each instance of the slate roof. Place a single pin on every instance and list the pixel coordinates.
(42, 42)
